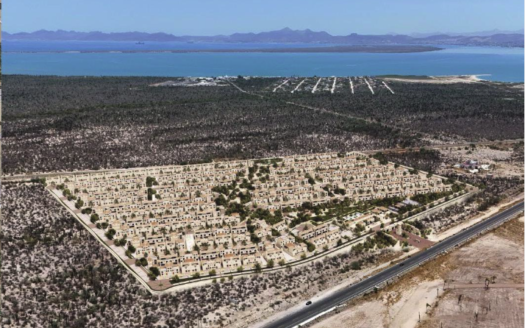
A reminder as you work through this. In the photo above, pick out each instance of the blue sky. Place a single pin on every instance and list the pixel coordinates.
(211, 17)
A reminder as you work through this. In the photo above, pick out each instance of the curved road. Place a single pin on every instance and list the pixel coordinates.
(353, 291)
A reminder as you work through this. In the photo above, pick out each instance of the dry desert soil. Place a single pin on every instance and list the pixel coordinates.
(419, 300)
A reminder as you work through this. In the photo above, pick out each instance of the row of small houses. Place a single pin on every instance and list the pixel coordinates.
(173, 196)
(227, 249)
(185, 201)
(178, 176)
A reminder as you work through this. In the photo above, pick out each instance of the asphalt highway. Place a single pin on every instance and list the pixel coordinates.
(355, 290)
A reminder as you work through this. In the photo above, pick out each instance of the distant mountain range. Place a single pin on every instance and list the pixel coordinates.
(478, 33)
(285, 35)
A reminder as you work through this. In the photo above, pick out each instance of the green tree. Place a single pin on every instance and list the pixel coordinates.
(155, 270)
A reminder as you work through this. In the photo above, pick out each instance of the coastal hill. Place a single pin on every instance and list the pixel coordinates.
(285, 35)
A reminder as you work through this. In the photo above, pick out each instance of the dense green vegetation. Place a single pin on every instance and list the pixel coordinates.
(68, 123)
(473, 111)
(427, 160)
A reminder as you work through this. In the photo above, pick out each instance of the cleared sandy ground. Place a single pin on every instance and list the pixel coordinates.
(501, 161)
(498, 254)
(439, 79)
(336, 285)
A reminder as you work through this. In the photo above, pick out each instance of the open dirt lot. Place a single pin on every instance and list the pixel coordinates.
(497, 256)
(504, 160)
(438, 79)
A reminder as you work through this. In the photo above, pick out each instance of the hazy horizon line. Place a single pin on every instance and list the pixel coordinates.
(495, 31)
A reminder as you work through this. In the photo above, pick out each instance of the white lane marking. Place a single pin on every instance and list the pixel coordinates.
(315, 317)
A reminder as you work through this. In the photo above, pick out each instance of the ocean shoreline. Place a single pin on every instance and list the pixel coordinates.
(330, 49)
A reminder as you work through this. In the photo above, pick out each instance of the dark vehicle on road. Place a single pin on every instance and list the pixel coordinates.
(309, 302)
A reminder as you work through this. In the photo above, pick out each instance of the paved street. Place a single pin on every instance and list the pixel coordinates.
(358, 289)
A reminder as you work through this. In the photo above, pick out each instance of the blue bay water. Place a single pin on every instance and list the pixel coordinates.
(41, 58)
(46, 46)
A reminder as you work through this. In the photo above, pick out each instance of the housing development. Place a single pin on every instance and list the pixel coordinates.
(264, 202)
(206, 219)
